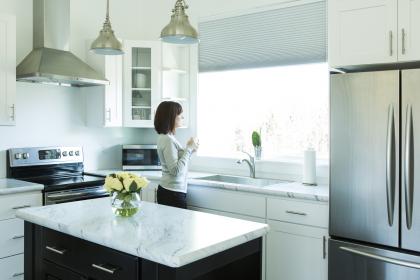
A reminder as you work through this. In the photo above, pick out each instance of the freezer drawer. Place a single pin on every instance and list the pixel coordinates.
(350, 261)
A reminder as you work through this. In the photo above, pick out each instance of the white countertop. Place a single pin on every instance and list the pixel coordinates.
(166, 235)
(9, 186)
(292, 190)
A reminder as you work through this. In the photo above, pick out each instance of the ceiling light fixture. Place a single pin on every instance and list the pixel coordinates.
(107, 43)
(179, 30)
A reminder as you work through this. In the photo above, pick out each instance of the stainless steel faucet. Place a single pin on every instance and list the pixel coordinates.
(251, 164)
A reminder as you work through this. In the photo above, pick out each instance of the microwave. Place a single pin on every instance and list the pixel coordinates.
(140, 157)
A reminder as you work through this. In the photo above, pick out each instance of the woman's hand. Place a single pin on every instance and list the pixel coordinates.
(193, 144)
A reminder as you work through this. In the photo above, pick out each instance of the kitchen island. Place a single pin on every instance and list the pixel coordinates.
(84, 240)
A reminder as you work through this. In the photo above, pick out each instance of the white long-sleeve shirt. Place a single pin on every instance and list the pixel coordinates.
(174, 160)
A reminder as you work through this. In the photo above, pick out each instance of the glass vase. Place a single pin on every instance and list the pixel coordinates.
(125, 204)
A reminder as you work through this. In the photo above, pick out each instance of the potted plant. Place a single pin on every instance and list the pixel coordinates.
(256, 142)
(125, 191)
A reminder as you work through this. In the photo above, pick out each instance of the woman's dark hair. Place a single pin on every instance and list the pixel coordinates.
(165, 116)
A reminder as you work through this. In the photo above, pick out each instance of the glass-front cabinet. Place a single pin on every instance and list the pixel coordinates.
(142, 86)
(176, 76)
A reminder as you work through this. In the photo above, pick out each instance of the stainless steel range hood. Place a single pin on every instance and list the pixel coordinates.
(51, 61)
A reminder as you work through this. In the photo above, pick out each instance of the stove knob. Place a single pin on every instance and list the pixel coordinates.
(71, 153)
(77, 153)
(18, 156)
(25, 155)
(64, 154)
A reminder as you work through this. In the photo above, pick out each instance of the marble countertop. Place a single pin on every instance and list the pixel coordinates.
(288, 189)
(166, 235)
(10, 186)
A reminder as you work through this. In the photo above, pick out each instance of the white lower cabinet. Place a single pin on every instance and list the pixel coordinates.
(11, 237)
(242, 217)
(296, 252)
(295, 247)
(150, 192)
(12, 233)
(11, 268)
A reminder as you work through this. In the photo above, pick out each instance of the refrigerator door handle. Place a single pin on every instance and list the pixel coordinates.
(390, 165)
(409, 167)
(381, 258)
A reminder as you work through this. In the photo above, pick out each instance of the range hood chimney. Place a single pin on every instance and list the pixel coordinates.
(50, 61)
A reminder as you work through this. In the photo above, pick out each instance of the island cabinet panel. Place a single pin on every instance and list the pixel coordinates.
(89, 259)
(52, 255)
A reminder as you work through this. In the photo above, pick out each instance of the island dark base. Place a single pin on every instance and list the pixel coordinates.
(56, 256)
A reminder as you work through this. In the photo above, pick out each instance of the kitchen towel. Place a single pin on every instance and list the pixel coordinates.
(309, 167)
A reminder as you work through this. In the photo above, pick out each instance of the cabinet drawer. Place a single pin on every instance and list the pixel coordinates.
(11, 237)
(87, 258)
(10, 203)
(11, 268)
(298, 212)
(225, 200)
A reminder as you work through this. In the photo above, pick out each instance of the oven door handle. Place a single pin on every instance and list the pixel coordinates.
(69, 195)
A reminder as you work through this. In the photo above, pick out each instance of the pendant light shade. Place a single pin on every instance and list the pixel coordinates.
(179, 30)
(107, 43)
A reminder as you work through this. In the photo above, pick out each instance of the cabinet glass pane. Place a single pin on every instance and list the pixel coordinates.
(141, 57)
(141, 98)
(141, 78)
(141, 113)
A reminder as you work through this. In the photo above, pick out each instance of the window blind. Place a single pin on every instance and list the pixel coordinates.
(282, 36)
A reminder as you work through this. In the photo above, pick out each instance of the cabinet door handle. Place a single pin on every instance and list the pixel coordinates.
(21, 207)
(296, 213)
(17, 274)
(12, 116)
(403, 41)
(324, 247)
(390, 43)
(105, 269)
(18, 237)
(56, 250)
(108, 111)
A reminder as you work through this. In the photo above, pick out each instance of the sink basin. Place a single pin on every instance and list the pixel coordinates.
(258, 182)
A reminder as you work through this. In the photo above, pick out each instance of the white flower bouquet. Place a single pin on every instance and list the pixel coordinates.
(125, 189)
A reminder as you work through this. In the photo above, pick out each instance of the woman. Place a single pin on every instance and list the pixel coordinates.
(172, 190)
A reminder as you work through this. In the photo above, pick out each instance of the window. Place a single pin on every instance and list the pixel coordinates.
(288, 104)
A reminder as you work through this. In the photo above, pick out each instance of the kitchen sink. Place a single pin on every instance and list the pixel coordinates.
(258, 182)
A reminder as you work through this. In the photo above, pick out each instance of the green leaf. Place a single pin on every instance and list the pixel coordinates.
(256, 139)
(133, 186)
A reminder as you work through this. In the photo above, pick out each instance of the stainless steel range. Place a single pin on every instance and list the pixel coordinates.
(59, 169)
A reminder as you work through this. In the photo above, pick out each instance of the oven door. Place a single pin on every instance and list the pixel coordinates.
(140, 157)
(74, 195)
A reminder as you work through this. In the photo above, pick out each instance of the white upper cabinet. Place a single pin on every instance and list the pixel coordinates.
(362, 32)
(104, 103)
(176, 72)
(142, 93)
(7, 70)
(409, 30)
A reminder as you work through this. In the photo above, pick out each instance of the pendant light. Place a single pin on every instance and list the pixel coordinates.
(107, 43)
(179, 29)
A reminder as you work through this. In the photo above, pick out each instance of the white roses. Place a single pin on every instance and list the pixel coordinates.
(124, 182)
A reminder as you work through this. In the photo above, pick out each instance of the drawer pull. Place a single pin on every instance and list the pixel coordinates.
(17, 274)
(21, 207)
(18, 236)
(55, 250)
(103, 268)
(296, 213)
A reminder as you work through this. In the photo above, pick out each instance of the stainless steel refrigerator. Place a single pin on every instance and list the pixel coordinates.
(375, 176)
